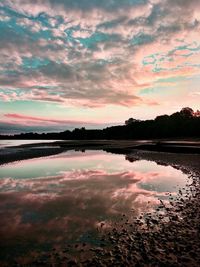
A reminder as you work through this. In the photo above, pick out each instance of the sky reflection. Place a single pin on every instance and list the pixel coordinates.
(61, 198)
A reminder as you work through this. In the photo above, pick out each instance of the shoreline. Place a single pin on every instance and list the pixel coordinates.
(168, 236)
(37, 150)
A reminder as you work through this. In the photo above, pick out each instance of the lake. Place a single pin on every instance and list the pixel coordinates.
(63, 199)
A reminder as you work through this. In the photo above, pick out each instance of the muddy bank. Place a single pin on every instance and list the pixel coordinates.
(8, 155)
(189, 164)
(172, 148)
(28, 151)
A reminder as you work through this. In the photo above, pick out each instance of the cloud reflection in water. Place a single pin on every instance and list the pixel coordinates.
(57, 199)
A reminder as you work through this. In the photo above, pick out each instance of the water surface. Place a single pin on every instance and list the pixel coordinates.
(61, 199)
(7, 143)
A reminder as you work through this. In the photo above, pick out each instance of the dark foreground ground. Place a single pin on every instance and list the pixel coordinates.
(168, 236)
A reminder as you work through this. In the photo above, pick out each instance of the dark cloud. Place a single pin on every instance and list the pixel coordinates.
(109, 5)
(58, 70)
(8, 128)
(19, 127)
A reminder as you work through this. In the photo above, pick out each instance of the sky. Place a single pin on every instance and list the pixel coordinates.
(95, 63)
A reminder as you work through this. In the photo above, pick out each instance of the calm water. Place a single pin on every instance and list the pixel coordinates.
(60, 199)
(7, 143)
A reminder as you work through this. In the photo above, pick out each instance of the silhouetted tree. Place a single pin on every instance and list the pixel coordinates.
(185, 123)
(130, 121)
(187, 112)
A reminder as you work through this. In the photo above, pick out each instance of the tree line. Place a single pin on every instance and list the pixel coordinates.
(185, 123)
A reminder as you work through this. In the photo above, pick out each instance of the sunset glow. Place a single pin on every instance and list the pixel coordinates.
(67, 64)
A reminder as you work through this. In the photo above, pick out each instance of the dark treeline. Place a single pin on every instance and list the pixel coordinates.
(185, 123)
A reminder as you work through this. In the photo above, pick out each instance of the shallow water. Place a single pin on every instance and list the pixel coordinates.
(7, 143)
(61, 199)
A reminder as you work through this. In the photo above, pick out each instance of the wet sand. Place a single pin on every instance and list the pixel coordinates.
(168, 236)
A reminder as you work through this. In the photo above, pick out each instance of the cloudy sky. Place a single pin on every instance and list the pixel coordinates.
(72, 63)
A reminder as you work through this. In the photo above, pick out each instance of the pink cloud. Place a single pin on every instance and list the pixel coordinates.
(120, 81)
(30, 120)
